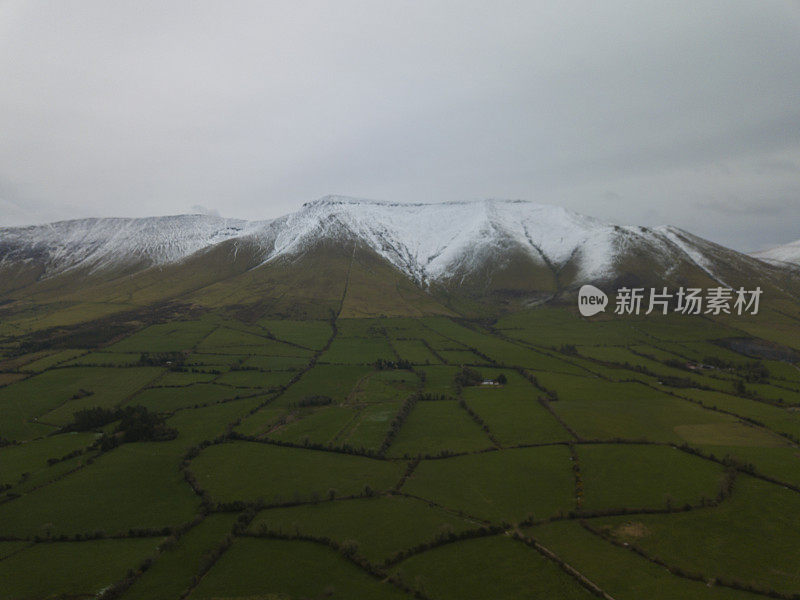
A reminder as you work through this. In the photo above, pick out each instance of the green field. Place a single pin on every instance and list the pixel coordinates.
(349, 458)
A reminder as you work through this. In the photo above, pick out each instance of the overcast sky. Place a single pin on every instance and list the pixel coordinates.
(685, 113)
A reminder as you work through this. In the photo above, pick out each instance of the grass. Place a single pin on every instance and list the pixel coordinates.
(330, 380)
(635, 476)
(49, 396)
(779, 462)
(173, 378)
(133, 486)
(380, 526)
(262, 420)
(620, 572)
(248, 470)
(255, 379)
(106, 359)
(603, 410)
(173, 571)
(440, 380)
(513, 413)
(752, 537)
(164, 399)
(357, 351)
(298, 569)
(495, 567)
(415, 351)
(57, 358)
(385, 386)
(199, 424)
(277, 363)
(435, 427)
(31, 458)
(779, 419)
(319, 426)
(311, 334)
(369, 428)
(76, 569)
(502, 485)
(167, 337)
(462, 357)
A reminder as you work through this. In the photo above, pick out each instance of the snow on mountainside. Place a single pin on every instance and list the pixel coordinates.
(430, 241)
(107, 243)
(427, 241)
(788, 253)
(434, 241)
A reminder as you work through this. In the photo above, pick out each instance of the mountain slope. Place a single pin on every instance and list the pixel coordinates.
(788, 253)
(501, 252)
(98, 244)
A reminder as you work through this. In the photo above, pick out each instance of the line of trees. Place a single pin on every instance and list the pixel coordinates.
(397, 423)
(685, 573)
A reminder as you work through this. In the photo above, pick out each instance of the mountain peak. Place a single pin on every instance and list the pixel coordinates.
(447, 242)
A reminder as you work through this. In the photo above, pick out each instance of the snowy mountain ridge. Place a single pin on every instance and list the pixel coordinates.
(429, 242)
(99, 243)
(787, 253)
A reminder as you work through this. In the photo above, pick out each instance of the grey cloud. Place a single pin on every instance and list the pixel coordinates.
(685, 112)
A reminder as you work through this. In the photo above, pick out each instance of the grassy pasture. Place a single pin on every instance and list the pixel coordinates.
(779, 419)
(214, 361)
(381, 526)
(165, 399)
(335, 381)
(357, 351)
(643, 476)
(175, 378)
(779, 462)
(104, 359)
(76, 569)
(461, 357)
(499, 485)
(57, 358)
(433, 427)
(494, 567)
(198, 424)
(262, 420)
(49, 396)
(385, 386)
(553, 327)
(513, 413)
(751, 536)
(620, 572)
(310, 334)
(318, 426)
(598, 409)
(135, 485)
(415, 351)
(255, 379)
(172, 572)
(440, 379)
(369, 428)
(167, 337)
(277, 363)
(248, 470)
(31, 457)
(499, 350)
(754, 528)
(296, 569)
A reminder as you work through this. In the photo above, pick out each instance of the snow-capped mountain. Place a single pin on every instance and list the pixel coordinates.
(98, 244)
(432, 243)
(788, 253)
(435, 242)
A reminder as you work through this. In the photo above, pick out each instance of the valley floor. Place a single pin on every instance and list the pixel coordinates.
(535, 456)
